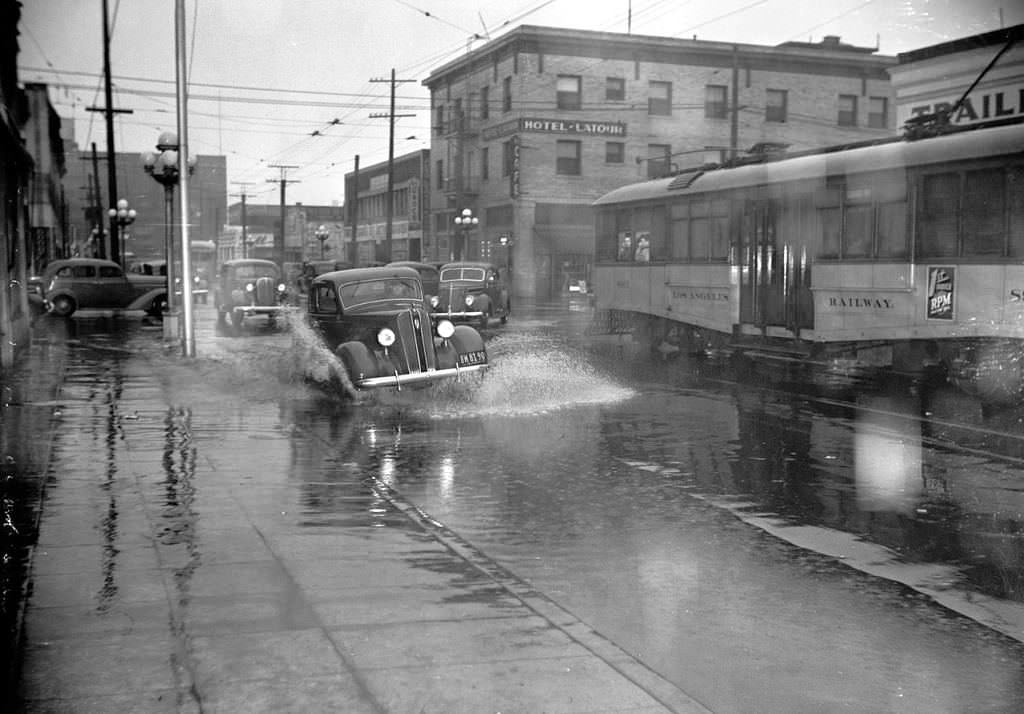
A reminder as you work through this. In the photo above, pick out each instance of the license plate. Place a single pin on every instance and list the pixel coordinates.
(470, 358)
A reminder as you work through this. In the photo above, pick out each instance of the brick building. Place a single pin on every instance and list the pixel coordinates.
(532, 127)
(366, 205)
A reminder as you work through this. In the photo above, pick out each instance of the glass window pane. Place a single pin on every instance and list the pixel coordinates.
(831, 226)
(937, 219)
(984, 212)
(719, 248)
(892, 230)
(858, 232)
(681, 239)
(700, 238)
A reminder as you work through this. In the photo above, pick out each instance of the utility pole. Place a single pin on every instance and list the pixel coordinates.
(391, 116)
(353, 213)
(279, 239)
(245, 236)
(109, 111)
(101, 243)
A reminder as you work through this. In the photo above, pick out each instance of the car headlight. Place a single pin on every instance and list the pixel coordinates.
(469, 301)
(249, 287)
(281, 287)
(386, 337)
(435, 301)
(445, 329)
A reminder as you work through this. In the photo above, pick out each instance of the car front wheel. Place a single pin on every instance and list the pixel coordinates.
(358, 360)
(158, 307)
(63, 305)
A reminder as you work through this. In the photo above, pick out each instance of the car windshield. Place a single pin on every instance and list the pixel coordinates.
(366, 291)
(251, 272)
(449, 274)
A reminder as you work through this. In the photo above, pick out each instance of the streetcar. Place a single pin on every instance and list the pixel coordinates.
(902, 254)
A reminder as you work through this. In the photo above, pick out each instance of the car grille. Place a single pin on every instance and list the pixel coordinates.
(265, 289)
(415, 339)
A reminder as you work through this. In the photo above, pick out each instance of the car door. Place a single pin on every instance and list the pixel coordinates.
(112, 287)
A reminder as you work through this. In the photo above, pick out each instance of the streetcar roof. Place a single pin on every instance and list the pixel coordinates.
(1003, 140)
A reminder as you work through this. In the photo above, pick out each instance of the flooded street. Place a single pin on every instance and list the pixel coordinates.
(759, 549)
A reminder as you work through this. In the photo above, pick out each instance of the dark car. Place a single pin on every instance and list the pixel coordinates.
(430, 275)
(379, 325)
(158, 266)
(472, 292)
(68, 285)
(250, 287)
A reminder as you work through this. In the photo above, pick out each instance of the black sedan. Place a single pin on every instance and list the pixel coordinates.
(379, 325)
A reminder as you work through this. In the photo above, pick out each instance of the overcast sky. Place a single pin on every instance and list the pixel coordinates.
(292, 81)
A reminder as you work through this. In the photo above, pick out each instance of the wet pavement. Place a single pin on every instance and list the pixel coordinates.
(179, 567)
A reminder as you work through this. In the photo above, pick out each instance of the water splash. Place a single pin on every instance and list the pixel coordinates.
(310, 360)
(529, 374)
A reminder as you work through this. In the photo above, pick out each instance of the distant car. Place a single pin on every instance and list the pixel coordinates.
(472, 292)
(430, 275)
(68, 285)
(158, 266)
(250, 287)
(379, 325)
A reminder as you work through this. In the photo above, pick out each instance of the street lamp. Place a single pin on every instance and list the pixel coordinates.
(125, 217)
(466, 221)
(322, 234)
(164, 168)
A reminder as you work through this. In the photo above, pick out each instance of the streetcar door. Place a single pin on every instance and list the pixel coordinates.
(762, 272)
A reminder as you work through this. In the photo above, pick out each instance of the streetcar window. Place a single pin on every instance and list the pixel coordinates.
(719, 246)
(680, 236)
(892, 230)
(1016, 193)
(858, 233)
(831, 230)
(984, 212)
(937, 219)
(700, 238)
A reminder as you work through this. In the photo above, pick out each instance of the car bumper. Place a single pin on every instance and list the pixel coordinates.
(457, 316)
(250, 310)
(400, 380)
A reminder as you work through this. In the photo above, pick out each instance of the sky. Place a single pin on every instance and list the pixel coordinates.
(296, 83)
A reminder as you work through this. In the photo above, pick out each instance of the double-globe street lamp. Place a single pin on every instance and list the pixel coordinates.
(165, 168)
(466, 221)
(124, 217)
(322, 234)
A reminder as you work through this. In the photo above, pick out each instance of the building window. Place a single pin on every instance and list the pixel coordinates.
(615, 89)
(847, 110)
(659, 101)
(506, 94)
(485, 161)
(439, 121)
(614, 152)
(440, 174)
(658, 160)
(714, 102)
(878, 112)
(568, 91)
(485, 103)
(567, 162)
(775, 105)
(458, 120)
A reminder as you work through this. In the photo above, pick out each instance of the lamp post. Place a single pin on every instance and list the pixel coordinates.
(124, 217)
(164, 168)
(322, 234)
(465, 221)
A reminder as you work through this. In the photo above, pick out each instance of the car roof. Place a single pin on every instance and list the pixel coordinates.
(355, 274)
(249, 261)
(82, 261)
(469, 264)
(412, 264)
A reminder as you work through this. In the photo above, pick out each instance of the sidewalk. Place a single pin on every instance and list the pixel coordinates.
(199, 551)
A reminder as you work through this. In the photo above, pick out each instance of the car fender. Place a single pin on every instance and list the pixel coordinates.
(146, 299)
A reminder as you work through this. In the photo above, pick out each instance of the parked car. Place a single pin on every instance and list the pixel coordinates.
(68, 285)
(472, 292)
(158, 266)
(378, 323)
(430, 276)
(249, 287)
